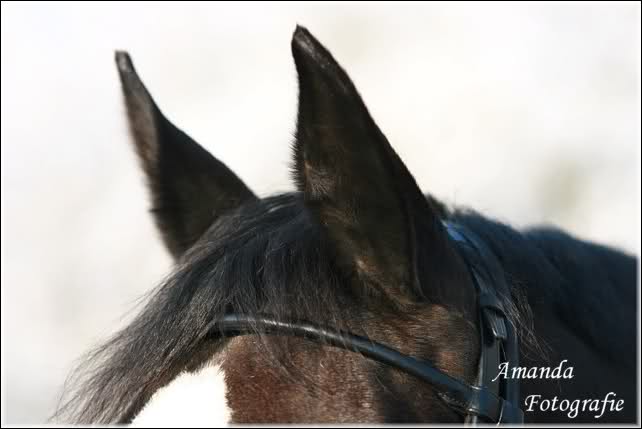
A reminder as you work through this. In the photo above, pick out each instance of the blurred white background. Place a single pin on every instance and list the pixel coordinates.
(526, 112)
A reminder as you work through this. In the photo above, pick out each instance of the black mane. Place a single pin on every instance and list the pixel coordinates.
(266, 257)
(270, 257)
(584, 285)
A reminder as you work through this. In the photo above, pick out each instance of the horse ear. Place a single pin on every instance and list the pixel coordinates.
(381, 224)
(189, 187)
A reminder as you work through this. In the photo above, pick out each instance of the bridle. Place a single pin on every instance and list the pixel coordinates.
(490, 399)
(484, 402)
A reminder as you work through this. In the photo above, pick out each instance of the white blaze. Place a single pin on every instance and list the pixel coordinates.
(193, 399)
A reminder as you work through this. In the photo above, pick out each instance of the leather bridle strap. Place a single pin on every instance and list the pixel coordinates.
(466, 399)
(489, 400)
(498, 339)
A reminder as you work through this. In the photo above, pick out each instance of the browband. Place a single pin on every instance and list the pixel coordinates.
(486, 401)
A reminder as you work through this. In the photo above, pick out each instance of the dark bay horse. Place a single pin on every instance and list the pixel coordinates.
(360, 248)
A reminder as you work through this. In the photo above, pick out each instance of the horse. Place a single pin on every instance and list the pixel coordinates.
(356, 298)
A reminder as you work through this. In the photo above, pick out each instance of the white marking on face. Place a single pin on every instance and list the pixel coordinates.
(193, 399)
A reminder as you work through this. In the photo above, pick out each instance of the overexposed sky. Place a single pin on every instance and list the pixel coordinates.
(527, 112)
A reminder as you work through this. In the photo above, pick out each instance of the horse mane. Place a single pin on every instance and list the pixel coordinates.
(260, 258)
(270, 256)
(578, 282)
